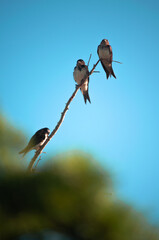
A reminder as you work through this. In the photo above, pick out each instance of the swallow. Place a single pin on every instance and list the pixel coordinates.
(80, 72)
(36, 141)
(106, 56)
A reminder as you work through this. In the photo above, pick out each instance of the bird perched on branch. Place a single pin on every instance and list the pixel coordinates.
(80, 72)
(106, 56)
(36, 141)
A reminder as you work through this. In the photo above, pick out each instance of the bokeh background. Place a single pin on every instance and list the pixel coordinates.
(40, 44)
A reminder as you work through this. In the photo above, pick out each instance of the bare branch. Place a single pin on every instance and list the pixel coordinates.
(36, 164)
(89, 60)
(117, 61)
(32, 162)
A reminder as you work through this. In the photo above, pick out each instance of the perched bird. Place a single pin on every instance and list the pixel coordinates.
(80, 72)
(106, 56)
(36, 141)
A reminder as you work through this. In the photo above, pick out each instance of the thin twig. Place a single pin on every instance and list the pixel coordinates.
(89, 60)
(37, 164)
(32, 162)
(117, 62)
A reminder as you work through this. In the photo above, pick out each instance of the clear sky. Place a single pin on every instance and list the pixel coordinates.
(41, 40)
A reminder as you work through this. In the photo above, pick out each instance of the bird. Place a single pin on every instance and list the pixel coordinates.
(80, 72)
(105, 54)
(36, 141)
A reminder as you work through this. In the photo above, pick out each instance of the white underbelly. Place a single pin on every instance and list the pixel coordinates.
(84, 87)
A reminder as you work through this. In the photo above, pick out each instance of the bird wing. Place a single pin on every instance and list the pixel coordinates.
(111, 53)
(74, 73)
(87, 73)
(98, 50)
(38, 137)
(105, 68)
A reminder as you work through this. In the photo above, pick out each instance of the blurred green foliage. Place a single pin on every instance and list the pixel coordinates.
(11, 141)
(72, 195)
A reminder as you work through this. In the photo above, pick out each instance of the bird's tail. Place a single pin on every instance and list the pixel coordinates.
(86, 96)
(24, 151)
(108, 70)
(112, 72)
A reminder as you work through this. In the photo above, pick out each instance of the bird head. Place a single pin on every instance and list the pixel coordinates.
(80, 63)
(46, 130)
(104, 42)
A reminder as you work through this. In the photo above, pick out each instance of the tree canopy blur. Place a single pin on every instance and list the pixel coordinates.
(11, 141)
(71, 194)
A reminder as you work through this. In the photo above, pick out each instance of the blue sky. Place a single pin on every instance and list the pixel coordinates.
(40, 44)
